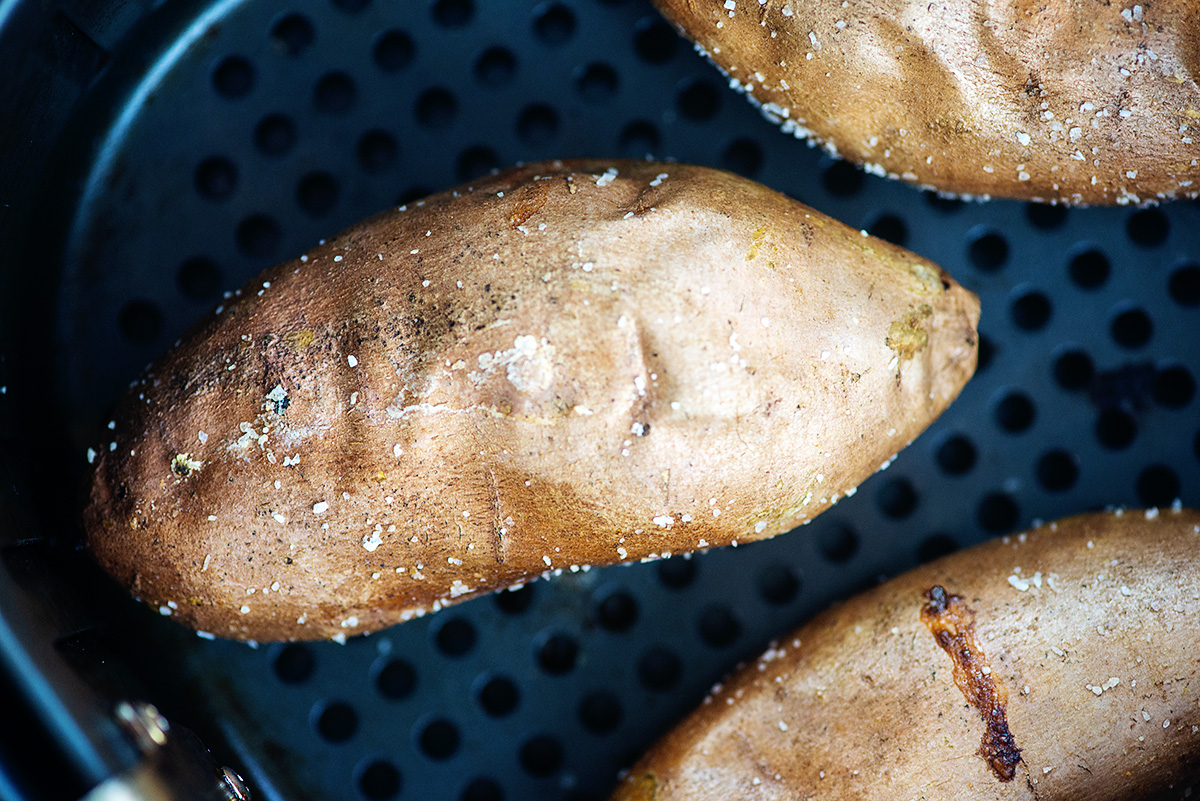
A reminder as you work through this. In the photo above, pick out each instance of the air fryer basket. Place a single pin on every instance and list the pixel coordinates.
(213, 139)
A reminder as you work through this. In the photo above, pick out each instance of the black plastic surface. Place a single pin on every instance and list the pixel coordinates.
(221, 138)
(57, 737)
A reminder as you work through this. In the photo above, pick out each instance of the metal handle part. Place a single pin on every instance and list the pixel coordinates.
(175, 765)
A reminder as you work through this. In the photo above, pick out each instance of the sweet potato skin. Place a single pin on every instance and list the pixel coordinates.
(1071, 101)
(1090, 632)
(564, 364)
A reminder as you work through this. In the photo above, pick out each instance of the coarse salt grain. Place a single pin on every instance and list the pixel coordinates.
(1018, 583)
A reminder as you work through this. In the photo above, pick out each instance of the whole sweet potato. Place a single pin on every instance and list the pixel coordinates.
(1055, 665)
(1073, 101)
(565, 364)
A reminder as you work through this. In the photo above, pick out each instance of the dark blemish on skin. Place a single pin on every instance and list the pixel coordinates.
(1033, 86)
(952, 624)
(183, 465)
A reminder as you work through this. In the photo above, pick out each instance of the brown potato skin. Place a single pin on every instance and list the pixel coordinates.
(872, 711)
(977, 98)
(510, 341)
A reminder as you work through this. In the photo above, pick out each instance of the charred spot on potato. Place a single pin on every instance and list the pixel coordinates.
(1033, 85)
(952, 624)
(183, 465)
(278, 400)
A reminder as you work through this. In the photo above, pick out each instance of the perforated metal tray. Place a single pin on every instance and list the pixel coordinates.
(223, 137)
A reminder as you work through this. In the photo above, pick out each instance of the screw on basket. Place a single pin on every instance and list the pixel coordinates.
(235, 789)
(173, 768)
(144, 723)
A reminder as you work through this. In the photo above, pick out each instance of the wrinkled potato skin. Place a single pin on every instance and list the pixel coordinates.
(1004, 98)
(871, 710)
(553, 368)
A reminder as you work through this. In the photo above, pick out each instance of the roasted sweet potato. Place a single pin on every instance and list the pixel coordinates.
(565, 364)
(1059, 664)
(1072, 101)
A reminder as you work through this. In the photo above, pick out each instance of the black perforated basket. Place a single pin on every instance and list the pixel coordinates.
(158, 155)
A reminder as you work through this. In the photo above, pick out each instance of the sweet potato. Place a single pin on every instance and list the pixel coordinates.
(1072, 101)
(1059, 664)
(566, 364)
